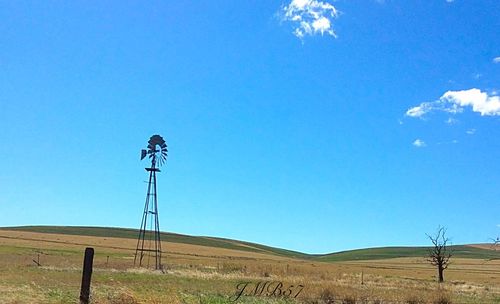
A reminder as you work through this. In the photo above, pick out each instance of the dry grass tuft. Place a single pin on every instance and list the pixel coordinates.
(327, 296)
(349, 300)
(413, 299)
(118, 296)
(442, 299)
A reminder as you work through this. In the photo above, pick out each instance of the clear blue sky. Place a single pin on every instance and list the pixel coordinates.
(369, 124)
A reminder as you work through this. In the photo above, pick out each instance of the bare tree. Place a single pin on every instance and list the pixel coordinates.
(495, 243)
(495, 246)
(440, 253)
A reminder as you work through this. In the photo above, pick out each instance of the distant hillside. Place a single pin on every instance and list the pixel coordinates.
(461, 251)
(165, 236)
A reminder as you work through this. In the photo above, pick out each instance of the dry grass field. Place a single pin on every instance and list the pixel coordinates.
(204, 274)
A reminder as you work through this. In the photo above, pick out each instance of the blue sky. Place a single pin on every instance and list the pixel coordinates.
(308, 125)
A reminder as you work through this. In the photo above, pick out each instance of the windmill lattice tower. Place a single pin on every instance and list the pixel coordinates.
(149, 241)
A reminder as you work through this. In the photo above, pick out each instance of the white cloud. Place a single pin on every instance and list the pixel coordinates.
(419, 143)
(456, 101)
(471, 131)
(480, 102)
(496, 59)
(310, 17)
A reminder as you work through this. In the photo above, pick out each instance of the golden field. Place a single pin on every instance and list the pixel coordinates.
(202, 274)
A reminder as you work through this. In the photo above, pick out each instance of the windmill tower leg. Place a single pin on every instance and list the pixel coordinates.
(139, 251)
(146, 246)
(157, 226)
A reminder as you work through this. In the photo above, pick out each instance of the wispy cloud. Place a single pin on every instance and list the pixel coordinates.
(419, 143)
(451, 121)
(310, 17)
(456, 101)
(496, 59)
(471, 131)
(451, 142)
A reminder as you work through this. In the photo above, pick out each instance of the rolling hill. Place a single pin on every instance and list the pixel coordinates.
(461, 251)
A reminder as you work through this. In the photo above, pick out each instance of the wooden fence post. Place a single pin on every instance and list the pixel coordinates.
(86, 275)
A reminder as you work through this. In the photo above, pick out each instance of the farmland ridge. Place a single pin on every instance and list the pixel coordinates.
(476, 251)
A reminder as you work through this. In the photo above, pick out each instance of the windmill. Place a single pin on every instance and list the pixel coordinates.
(149, 242)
